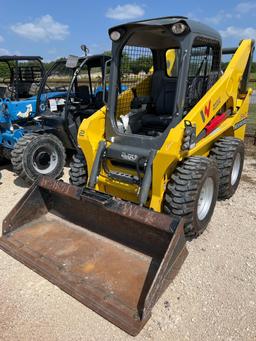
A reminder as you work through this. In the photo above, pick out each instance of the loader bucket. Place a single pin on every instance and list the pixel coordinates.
(113, 256)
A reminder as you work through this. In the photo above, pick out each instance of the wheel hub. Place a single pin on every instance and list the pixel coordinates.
(45, 160)
(236, 169)
(205, 198)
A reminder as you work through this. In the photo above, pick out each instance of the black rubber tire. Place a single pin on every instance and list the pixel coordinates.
(183, 192)
(224, 152)
(23, 156)
(78, 174)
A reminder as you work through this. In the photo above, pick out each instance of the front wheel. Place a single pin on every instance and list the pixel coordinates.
(35, 155)
(78, 173)
(192, 193)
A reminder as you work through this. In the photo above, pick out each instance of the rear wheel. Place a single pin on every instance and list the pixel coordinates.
(35, 155)
(228, 153)
(192, 193)
(78, 170)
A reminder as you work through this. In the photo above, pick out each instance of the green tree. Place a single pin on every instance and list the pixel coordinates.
(142, 63)
(4, 70)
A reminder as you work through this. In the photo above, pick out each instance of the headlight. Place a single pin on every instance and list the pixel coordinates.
(115, 35)
(179, 28)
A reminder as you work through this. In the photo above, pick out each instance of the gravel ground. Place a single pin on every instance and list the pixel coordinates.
(213, 297)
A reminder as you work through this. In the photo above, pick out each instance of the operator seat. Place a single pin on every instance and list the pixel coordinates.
(163, 90)
(212, 79)
(83, 94)
(99, 100)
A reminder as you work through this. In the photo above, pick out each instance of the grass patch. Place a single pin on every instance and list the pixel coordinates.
(251, 125)
(252, 108)
(253, 76)
(252, 85)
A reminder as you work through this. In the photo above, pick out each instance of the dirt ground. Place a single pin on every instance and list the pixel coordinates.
(213, 297)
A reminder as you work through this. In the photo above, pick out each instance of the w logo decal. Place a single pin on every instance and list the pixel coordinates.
(207, 109)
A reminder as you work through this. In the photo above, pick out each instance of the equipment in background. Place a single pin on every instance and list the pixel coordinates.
(20, 77)
(36, 132)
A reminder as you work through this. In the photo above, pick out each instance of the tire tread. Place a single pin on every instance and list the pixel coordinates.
(182, 190)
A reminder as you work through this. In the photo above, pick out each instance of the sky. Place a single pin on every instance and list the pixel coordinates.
(54, 28)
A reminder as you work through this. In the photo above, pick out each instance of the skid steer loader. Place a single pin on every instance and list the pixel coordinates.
(150, 167)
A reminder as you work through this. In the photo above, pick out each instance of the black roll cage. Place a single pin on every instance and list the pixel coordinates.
(91, 62)
(185, 41)
(16, 60)
(81, 62)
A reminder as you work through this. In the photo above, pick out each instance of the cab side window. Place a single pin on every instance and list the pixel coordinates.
(204, 70)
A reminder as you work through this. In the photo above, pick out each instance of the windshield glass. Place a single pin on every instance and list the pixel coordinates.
(54, 92)
(150, 79)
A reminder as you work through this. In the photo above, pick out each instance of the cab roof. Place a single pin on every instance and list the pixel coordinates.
(164, 22)
(92, 61)
(96, 60)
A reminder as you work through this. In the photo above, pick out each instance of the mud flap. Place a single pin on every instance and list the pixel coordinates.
(113, 256)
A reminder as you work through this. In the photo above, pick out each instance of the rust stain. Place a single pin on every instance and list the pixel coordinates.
(88, 267)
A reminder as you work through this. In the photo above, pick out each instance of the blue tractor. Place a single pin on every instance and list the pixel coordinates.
(20, 77)
(37, 131)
